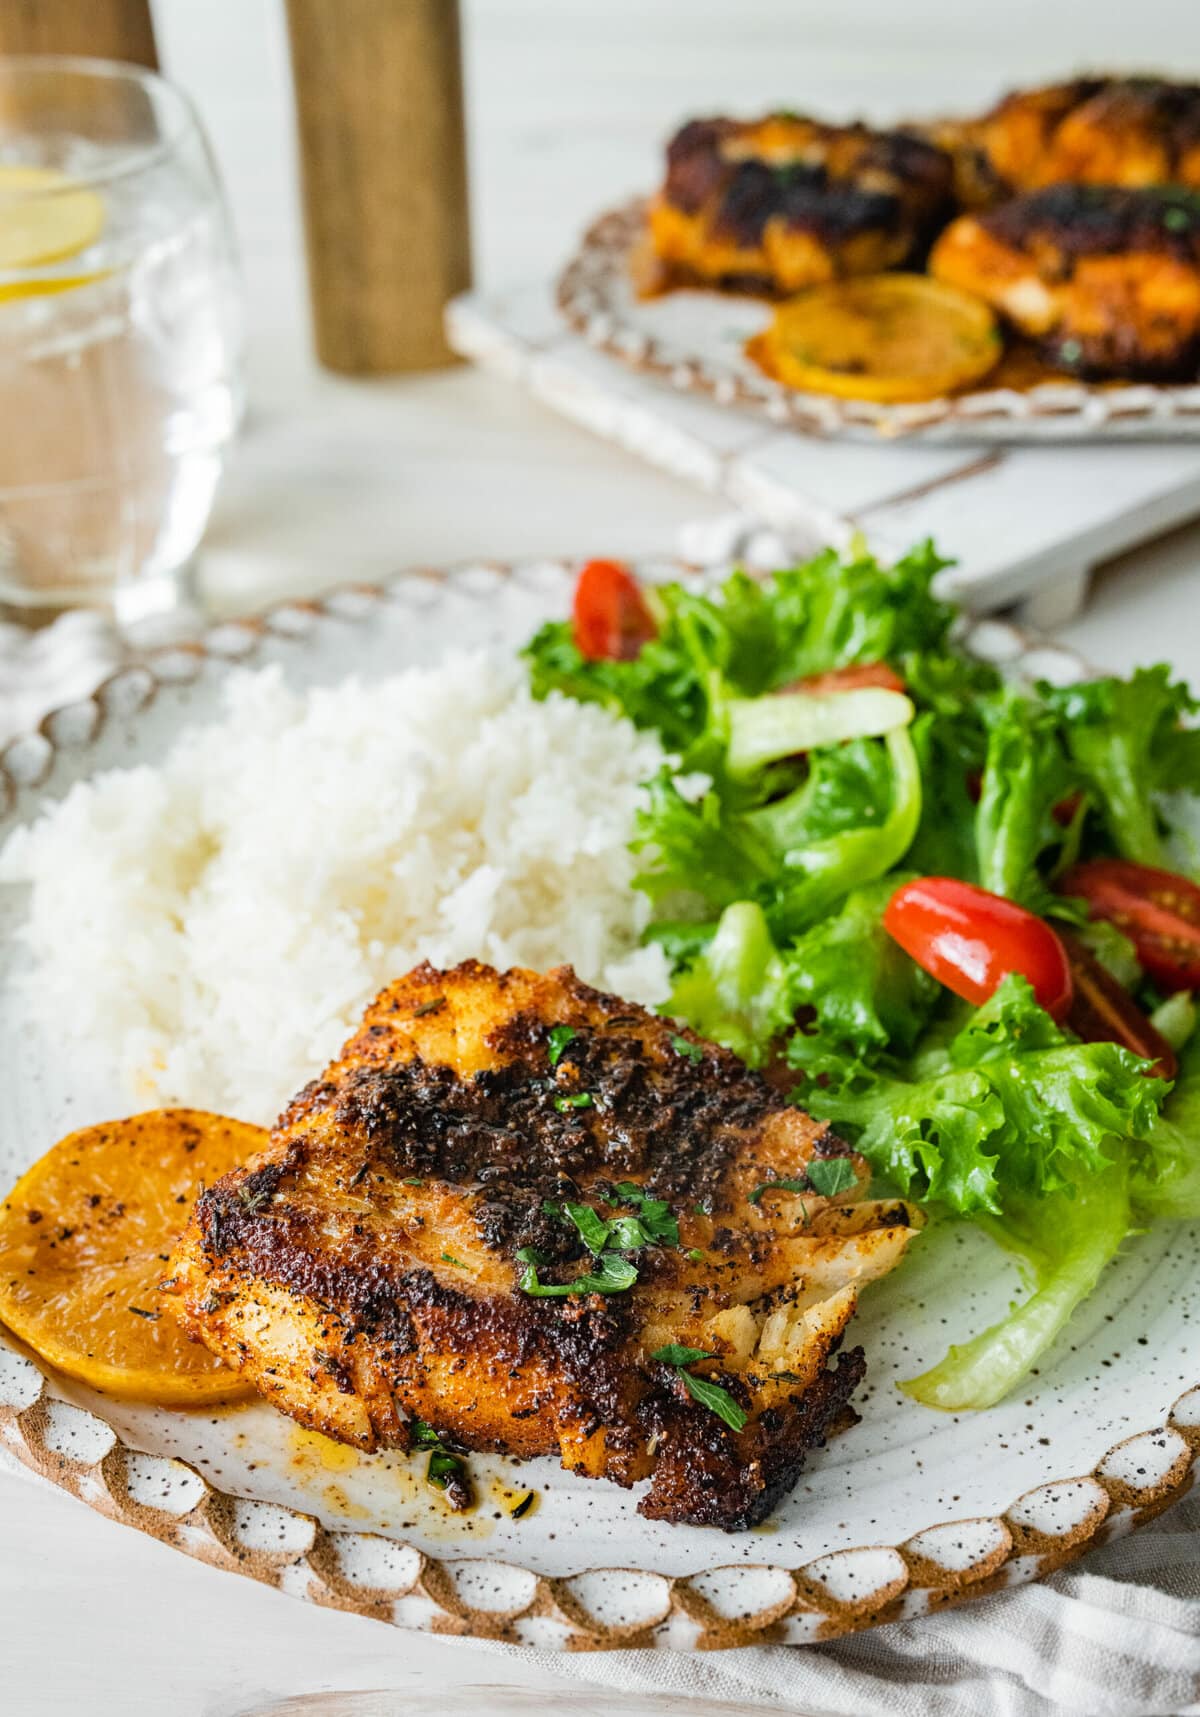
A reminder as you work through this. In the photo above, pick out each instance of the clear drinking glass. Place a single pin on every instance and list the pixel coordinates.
(120, 336)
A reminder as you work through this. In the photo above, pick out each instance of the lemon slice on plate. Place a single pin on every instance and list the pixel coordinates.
(85, 1241)
(45, 217)
(889, 338)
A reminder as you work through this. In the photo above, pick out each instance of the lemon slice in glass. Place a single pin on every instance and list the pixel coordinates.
(45, 217)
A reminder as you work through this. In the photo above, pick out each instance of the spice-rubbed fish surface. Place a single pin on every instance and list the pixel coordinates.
(508, 1197)
(1105, 278)
(779, 204)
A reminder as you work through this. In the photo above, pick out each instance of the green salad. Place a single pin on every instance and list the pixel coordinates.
(953, 914)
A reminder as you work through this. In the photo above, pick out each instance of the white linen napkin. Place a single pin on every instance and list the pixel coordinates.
(1116, 1636)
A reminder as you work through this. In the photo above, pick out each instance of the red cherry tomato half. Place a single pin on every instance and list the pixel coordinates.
(970, 940)
(611, 618)
(1157, 910)
(850, 679)
(1103, 1011)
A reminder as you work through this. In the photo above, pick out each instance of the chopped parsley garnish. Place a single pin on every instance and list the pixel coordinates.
(594, 1231)
(140, 1312)
(787, 1185)
(714, 1396)
(413, 1180)
(576, 1100)
(683, 1046)
(446, 1470)
(612, 1275)
(675, 1354)
(606, 1238)
(653, 1213)
(830, 1175)
(695, 1254)
(630, 1234)
(827, 1176)
(442, 1468)
(560, 1037)
(523, 1506)
(430, 1007)
(449, 1258)
(1176, 220)
(780, 1185)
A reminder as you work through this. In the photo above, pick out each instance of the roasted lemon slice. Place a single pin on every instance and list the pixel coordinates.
(883, 337)
(85, 1238)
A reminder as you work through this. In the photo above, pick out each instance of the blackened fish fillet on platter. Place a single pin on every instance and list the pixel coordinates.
(544, 1221)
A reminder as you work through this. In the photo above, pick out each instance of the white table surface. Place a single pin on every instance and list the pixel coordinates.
(338, 480)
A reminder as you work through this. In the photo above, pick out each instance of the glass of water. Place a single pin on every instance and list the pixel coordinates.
(120, 337)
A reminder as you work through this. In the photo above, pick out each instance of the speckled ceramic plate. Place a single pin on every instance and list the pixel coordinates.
(907, 1511)
(693, 340)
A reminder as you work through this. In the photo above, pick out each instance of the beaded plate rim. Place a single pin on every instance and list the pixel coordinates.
(604, 1608)
(592, 294)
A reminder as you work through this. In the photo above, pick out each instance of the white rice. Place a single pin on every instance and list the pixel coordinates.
(215, 925)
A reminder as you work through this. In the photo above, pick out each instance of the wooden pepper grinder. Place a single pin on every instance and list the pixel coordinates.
(380, 110)
(101, 29)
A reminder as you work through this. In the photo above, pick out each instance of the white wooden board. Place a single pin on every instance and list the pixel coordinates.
(1026, 524)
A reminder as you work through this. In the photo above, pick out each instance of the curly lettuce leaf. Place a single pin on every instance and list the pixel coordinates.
(1025, 776)
(1165, 1181)
(855, 986)
(737, 992)
(865, 994)
(1010, 1106)
(749, 637)
(848, 609)
(934, 1138)
(1012, 1123)
(1066, 1241)
(696, 850)
(949, 759)
(1065, 1103)
(951, 691)
(1129, 741)
(849, 823)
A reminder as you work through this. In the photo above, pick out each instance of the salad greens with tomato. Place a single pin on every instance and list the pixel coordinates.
(957, 912)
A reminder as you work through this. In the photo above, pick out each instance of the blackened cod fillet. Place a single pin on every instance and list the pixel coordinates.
(374, 1264)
